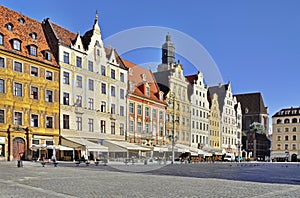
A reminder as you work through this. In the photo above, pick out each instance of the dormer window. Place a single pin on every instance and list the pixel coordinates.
(1, 39)
(21, 20)
(130, 71)
(161, 95)
(33, 36)
(131, 86)
(9, 27)
(32, 50)
(16, 45)
(143, 77)
(47, 55)
(147, 91)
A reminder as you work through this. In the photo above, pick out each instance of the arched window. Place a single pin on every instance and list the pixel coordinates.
(279, 121)
(294, 129)
(294, 120)
(286, 121)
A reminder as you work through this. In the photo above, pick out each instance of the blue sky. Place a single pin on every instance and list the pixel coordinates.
(255, 44)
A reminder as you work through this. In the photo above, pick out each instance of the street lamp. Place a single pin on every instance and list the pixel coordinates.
(172, 95)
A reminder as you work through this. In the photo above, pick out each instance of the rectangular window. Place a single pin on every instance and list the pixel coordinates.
(79, 81)
(66, 99)
(2, 63)
(2, 86)
(113, 74)
(91, 85)
(79, 123)
(34, 93)
(18, 89)
(90, 66)
(121, 129)
(131, 125)
(161, 131)
(17, 45)
(2, 116)
(91, 103)
(78, 101)
(66, 78)
(131, 107)
(103, 88)
(102, 126)
(113, 91)
(49, 96)
(66, 57)
(154, 113)
(121, 110)
(66, 121)
(113, 128)
(160, 115)
(147, 127)
(286, 147)
(49, 75)
(18, 118)
(139, 110)
(147, 111)
(122, 79)
(1, 39)
(103, 106)
(18, 66)
(33, 50)
(139, 127)
(34, 120)
(113, 109)
(294, 146)
(91, 125)
(78, 61)
(122, 95)
(49, 122)
(103, 70)
(34, 71)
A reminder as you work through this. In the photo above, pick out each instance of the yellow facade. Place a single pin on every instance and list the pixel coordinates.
(25, 107)
(215, 119)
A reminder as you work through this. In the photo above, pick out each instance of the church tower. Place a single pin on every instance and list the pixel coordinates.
(168, 51)
(168, 55)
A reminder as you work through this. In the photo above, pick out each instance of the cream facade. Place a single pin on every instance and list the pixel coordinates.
(285, 135)
(93, 86)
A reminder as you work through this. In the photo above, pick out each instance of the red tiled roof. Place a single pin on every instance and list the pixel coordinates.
(64, 36)
(23, 33)
(137, 79)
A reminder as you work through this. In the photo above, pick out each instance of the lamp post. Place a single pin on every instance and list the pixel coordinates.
(172, 95)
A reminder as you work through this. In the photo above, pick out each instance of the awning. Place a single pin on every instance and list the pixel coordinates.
(280, 155)
(121, 146)
(193, 150)
(81, 142)
(160, 149)
(59, 147)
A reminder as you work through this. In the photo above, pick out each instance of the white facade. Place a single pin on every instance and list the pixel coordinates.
(93, 89)
(229, 123)
(199, 113)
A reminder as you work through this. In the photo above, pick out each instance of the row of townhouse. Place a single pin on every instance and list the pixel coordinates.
(59, 88)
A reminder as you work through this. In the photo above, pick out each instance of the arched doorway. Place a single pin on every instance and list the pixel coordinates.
(18, 148)
(294, 158)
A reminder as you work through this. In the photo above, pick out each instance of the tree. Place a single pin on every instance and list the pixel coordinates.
(257, 127)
